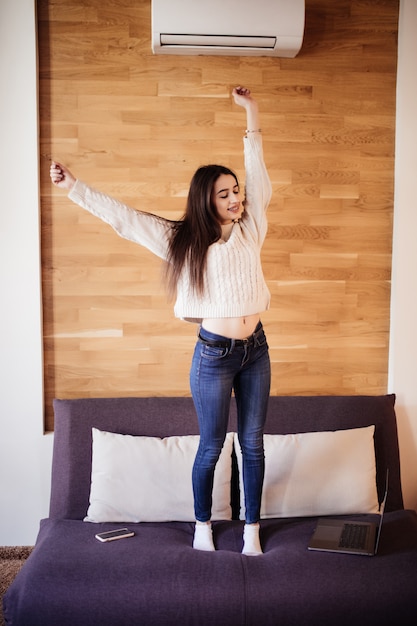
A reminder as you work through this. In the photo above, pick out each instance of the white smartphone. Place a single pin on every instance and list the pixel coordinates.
(111, 535)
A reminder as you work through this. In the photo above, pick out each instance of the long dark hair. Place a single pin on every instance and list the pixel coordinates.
(196, 231)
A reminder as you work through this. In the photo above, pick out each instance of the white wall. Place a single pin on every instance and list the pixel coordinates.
(25, 453)
(403, 349)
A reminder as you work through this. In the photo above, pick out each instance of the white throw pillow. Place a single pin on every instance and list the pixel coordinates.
(317, 473)
(148, 479)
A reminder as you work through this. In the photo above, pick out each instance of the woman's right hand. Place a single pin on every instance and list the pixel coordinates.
(61, 176)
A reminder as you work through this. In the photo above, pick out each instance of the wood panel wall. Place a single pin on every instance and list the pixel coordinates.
(137, 126)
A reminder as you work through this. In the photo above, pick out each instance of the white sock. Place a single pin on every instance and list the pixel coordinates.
(251, 542)
(203, 537)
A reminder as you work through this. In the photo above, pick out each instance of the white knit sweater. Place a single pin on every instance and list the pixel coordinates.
(234, 282)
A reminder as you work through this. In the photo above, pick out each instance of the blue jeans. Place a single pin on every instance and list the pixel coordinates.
(219, 366)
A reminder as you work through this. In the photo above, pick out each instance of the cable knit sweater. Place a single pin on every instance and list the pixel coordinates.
(234, 282)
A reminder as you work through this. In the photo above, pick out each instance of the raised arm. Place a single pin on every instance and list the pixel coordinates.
(257, 184)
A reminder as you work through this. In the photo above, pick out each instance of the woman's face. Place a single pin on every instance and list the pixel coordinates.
(227, 199)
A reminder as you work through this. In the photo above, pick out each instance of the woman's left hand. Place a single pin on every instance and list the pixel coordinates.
(242, 96)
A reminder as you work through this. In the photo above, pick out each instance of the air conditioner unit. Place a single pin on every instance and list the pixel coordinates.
(228, 27)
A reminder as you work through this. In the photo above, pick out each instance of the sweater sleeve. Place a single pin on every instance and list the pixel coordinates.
(146, 229)
(258, 190)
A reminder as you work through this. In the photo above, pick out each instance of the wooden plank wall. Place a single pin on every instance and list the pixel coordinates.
(138, 125)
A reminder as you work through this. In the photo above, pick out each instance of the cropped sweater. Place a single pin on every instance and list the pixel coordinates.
(234, 281)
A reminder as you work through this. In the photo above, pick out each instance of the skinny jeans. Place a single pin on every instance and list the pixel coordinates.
(219, 366)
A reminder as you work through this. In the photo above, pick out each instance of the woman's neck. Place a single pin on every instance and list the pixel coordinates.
(226, 230)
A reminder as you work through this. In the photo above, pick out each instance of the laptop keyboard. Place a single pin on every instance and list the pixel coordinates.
(353, 536)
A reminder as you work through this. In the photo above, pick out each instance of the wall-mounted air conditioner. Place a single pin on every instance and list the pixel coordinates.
(228, 27)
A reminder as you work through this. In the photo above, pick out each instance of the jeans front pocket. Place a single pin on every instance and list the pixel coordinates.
(213, 352)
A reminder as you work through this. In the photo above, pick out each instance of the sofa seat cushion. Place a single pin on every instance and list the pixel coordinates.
(156, 578)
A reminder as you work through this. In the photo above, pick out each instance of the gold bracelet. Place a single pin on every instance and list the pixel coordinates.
(257, 130)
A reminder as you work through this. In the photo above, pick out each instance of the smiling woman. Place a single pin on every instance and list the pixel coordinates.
(213, 264)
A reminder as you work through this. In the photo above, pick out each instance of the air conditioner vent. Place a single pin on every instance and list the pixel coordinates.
(218, 41)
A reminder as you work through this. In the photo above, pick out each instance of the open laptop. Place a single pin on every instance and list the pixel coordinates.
(349, 537)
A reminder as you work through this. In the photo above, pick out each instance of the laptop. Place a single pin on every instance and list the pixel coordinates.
(349, 537)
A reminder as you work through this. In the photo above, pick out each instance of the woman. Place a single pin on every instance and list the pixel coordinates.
(213, 265)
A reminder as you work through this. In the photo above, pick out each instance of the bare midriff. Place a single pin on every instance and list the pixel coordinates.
(232, 327)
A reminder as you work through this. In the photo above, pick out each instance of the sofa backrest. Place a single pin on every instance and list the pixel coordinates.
(164, 417)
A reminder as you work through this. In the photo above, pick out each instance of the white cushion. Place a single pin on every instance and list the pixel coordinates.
(148, 479)
(317, 473)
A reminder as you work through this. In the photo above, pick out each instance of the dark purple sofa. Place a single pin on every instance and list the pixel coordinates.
(157, 578)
